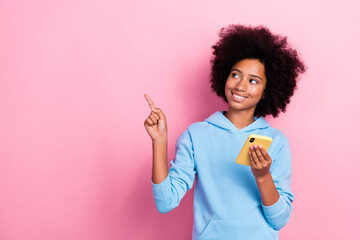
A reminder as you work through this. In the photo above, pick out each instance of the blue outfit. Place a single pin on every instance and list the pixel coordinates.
(227, 203)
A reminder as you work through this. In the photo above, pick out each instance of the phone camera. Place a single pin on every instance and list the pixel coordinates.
(252, 140)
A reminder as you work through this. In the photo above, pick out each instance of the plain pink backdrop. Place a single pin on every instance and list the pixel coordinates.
(75, 159)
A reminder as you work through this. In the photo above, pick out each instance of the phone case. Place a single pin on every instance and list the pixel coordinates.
(243, 157)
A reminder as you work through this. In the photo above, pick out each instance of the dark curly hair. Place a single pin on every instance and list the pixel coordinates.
(282, 64)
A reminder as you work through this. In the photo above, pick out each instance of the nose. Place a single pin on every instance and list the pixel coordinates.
(241, 85)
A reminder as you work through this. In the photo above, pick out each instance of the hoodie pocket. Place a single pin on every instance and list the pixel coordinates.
(221, 229)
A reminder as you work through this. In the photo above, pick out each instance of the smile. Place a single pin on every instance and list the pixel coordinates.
(238, 98)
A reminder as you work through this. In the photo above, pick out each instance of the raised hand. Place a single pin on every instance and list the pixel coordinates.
(155, 124)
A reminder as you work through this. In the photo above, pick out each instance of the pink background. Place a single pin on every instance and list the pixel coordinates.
(75, 159)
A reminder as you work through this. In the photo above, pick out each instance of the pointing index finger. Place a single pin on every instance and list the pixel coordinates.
(150, 102)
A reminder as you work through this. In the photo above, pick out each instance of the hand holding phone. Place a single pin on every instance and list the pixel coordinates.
(243, 157)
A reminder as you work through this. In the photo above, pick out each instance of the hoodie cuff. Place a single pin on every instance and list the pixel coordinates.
(160, 189)
(274, 210)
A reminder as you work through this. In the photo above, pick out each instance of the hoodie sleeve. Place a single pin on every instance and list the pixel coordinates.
(168, 193)
(278, 214)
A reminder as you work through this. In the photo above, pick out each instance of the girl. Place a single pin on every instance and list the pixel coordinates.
(255, 72)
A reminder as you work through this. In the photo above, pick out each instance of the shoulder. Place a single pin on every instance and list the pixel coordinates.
(279, 149)
(197, 128)
(277, 134)
(279, 138)
(191, 133)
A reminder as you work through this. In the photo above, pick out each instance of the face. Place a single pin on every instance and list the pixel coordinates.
(245, 85)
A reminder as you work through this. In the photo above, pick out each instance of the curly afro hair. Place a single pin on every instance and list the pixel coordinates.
(282, 64)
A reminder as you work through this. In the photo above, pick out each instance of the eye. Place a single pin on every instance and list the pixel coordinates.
(235, 75)
(253, 81)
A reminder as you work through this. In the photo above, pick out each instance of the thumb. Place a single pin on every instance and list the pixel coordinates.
(161, 114)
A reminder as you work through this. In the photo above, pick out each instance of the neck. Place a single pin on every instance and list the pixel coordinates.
(240, 119)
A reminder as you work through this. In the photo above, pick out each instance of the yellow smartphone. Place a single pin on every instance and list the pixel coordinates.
(243, 157)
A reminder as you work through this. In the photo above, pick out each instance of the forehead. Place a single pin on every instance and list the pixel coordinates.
(250, 66)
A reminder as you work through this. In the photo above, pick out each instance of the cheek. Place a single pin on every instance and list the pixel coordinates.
(227, 86)
(257, 91)
(227, 91)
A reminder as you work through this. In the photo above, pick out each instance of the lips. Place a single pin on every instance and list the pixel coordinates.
(237, 98)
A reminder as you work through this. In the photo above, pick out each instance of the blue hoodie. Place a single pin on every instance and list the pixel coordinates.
(227, 203)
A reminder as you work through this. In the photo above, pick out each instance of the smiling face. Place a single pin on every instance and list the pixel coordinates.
(245, 85)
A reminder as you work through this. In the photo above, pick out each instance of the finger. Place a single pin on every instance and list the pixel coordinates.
(161, 114)
(254, 156)
(149, 122)
(156, 115)
(260, 155)
(153, 119)
(253, 164)
(150, 102)
(265, 154)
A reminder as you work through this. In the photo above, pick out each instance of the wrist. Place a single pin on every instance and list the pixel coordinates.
(160, 140)
(263, 178)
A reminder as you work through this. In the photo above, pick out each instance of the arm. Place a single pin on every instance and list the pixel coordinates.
(274, 187)
(169, 186)
(160, 166)
(260, 166)
(168, 193)
(156, 127)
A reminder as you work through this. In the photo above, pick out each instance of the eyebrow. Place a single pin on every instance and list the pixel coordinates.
(252, 75)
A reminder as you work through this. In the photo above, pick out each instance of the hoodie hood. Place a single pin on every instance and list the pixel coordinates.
(218, 119)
